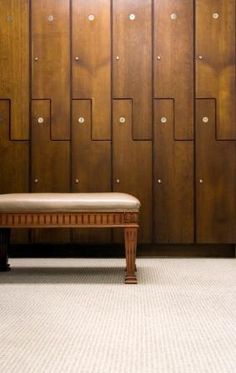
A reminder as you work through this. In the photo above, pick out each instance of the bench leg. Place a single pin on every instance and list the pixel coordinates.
(4, 243)
(130, 254)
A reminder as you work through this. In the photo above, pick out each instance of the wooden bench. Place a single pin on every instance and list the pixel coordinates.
(71, 210)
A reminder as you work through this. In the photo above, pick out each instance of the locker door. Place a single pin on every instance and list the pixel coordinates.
(215, 179)
(132, 61)
(91, 165)
(91, 64)
(51, 61)
(173, 61)
(14, 64)
(173, 182)
(215, 121)
(50, 164)
(173, 121)
(215, 61)
(14, 156)
(132, 165)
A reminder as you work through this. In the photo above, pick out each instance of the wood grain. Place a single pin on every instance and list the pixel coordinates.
(50, 163)
(132, 165)
(173, 61)
(14, 64)
(173, 180)
(91, 165)
(51, 72)
(152, 58)
(132, 73)
(215, 71)
(216, 167)
(14, 170)
(91, 42)
(96, 219)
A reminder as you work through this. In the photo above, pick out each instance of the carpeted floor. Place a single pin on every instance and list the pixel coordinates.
(75, 315)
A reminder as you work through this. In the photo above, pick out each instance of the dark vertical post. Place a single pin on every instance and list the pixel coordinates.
(4, 243)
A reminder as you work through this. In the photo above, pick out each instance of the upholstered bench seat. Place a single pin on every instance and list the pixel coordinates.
(68, 202)
(71, 210)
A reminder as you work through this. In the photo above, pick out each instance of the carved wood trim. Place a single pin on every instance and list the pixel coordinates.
(131, 234)
(69, 219)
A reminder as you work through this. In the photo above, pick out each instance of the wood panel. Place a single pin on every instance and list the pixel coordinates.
(14, 170)
(173, 179)
(215, 64)
(173, 61)
(50, 163)
(132, 60)
(51, 61)
(215, 179)
(132, 165)
(91, 165)
(14, 64)
(91, 66)
(72, 58)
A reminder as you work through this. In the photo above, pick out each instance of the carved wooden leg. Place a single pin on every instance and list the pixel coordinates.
(130, 253)
(135, 267)
(4, 242)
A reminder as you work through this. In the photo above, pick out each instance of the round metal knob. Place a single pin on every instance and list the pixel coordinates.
(117, 58)
(91, 17)
(205, 119)
(40, 120)
(122, 120)
(163, 120)
(159, 181)
(201, 181)
(50, 18)
(200, 57)
(215, 15)
(36, 181)
(81, 120)
(158, 57)
(76, 58)
(173, 16)
(36, 58)
(117, 181)
(132, 17)
(76, 181)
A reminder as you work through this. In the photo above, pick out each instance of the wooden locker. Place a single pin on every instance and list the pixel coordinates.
(51, 61)
(173, 179)
(173, 61)
(14, 170)
(91, 165)
(132, 61)
(91, 61)
(215, 179)
(132, 165)
(215, 61)
(14, 64)
(50, 164)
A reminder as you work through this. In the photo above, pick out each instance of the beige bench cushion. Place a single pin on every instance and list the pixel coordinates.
(68, 202)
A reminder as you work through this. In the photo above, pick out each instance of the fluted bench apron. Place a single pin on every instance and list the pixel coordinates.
(71, 210)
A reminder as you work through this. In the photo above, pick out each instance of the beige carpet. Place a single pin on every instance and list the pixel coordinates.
(75, 315)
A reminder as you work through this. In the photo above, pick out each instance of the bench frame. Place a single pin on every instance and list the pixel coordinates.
(93, 219)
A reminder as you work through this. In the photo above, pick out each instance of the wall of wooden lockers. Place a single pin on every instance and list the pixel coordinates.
(133, 96)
